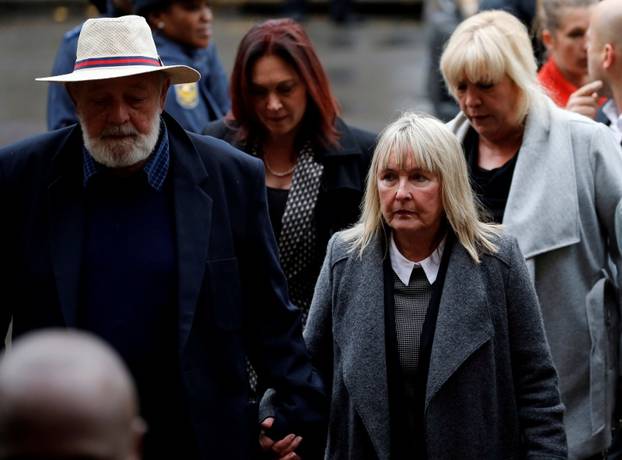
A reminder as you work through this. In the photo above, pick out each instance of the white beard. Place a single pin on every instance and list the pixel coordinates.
(121, 153)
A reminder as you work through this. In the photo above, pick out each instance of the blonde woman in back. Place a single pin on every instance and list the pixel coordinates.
(554, 179)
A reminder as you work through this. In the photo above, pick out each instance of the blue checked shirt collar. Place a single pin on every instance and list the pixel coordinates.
(156, 167)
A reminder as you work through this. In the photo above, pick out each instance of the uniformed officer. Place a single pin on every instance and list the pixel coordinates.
(182, 31)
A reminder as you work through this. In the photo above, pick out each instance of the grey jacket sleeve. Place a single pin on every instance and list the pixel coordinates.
(318, 330)
(538, 400)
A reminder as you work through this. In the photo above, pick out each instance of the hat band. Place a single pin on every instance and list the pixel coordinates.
(117, 61)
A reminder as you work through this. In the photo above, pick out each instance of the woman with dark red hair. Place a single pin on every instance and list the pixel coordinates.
(283, 111)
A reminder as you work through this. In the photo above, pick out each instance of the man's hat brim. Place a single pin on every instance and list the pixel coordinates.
(177, 73)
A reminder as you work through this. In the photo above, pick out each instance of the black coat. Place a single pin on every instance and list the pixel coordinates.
(231, 294)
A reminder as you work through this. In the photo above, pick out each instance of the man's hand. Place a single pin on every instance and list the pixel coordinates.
(284, 448)
(585, 99)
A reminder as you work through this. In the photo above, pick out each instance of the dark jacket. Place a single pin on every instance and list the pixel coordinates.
(492, 391)
(342, 187)
(231, 294)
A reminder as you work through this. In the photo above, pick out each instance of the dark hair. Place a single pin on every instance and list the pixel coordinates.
(148, 7)
(287, 40)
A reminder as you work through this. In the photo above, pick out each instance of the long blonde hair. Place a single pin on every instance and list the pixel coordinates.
(428, 143)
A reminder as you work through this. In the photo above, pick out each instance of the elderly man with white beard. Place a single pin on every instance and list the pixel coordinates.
(158, 241)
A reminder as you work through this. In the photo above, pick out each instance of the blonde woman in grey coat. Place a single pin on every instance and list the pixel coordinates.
(554, 179)
(424, 323)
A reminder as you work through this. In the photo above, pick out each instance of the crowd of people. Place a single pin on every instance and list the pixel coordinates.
(197, 266)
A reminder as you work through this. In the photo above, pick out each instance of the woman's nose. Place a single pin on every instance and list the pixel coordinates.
(472, 97)
(403, 190)
(274, 103)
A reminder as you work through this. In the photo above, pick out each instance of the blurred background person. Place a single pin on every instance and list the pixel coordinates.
(524, 10)
(604, 51)
(340, 11)
(441, 18)
(554, 179)
(564, 25)
(60, 109)
(426, 322)
(67, 395)
(527, 12)
(182, 30)
(284, 112)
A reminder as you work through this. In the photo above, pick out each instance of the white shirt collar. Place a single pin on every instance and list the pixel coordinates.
(403, 267)
(611, 111)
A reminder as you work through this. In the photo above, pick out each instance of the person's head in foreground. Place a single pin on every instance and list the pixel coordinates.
(67, 395)
(119, 87)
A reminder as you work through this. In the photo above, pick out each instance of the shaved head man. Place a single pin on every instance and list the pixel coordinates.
(604, 50)
(66, 395)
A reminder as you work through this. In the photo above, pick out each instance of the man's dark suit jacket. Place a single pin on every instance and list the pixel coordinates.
(232, 296)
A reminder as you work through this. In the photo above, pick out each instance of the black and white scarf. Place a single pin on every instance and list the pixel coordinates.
(298, 239)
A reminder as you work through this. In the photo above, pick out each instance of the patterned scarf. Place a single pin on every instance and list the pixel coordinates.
(298, 240)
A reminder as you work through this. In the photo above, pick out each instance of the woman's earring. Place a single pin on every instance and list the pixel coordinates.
(161, 25)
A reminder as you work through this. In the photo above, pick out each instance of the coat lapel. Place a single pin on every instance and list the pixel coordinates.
(542, 210)
(193, 216)
(66, 220)
(463, 324)
(360, 335)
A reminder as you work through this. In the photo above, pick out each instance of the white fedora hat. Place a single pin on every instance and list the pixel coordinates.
(120, 47)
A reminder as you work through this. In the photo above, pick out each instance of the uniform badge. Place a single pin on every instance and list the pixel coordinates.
(187, 95)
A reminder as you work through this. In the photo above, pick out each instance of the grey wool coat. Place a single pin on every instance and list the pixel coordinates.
(491, 389)
(564, 210)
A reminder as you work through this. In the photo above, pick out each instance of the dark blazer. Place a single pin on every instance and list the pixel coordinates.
(342, 186)
(232, 296)
(491, 390)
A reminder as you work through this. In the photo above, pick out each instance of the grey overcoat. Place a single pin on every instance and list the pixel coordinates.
(564, 210)
(491, 389)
